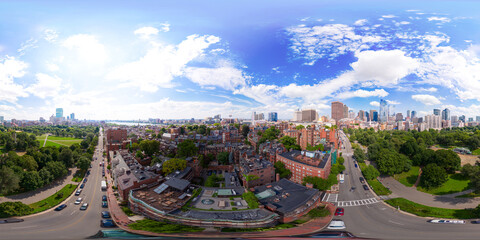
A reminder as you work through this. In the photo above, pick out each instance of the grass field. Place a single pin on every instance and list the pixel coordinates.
(476, 152)
(455, 183)
(378, 187)
(54, 199)
(54, 141)
(408, 178)
(426, 211)
(163, 227)
(469, 195)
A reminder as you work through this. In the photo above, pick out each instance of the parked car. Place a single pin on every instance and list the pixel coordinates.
(78, 201)
(105, 214)
(11, 220)
(365, 187)
(362, 180)
(84, 180)
(476, 222)
(61, 207)
(104, 204)
(107, 223)
(78, 192)
(339, 212)
(84, 206)
(88, 172)
(104, 198)
(82, 186)
(356, 165)
(336, 224)
(446, 221)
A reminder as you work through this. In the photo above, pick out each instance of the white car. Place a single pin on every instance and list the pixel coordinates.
(447, 221)
(78, 201)
(336, 224)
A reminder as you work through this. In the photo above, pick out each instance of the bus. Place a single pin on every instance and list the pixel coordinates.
(342, 178)
(104, 186)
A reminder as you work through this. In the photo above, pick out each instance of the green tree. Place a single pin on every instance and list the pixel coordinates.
(433, 176)
(28, 162)
(11, 209)
(46, 176)
(289, 143)
(299, 127)
(150, 147)
(245, 130)
(282, 170)
(187, 148)
(370, 172)
(173, 164)
(31, 181)
(359, 154)
(9, 181)
(66, 156)
(447, 159)
(83, 163)
(223, 157)
(249, 178)
(57, 169)
(212, 181)
(391, 162)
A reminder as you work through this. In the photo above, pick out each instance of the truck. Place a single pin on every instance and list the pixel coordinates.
(342, 178)
(104, 186)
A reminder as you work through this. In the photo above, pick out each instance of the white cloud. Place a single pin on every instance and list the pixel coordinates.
(426, 99)
(146, 32)
(389, 16)
(375, 103)
(360, 22)
(87, 48)
(10, 69)
(440, 19)
(392, 102)
(165, 27)
(161, 64)
(7, 108)
(50, 35)
(363, 93)
(261, 93)
(46, 86)
(52, 67)
(224, 76)
(29, 44)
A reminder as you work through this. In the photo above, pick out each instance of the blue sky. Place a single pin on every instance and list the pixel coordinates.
(183, 59)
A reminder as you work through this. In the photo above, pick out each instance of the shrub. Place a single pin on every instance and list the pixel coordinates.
(9, 209)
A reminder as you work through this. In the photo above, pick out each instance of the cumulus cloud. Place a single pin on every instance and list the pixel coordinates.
(439, 19)
(46, 86)
(161, 64)
(87, 48)
(360, 22)
(389, 16)
(11, 69)
(50, 35)
(363, 94)
(225, 76)
(426, 99)
(375, 103)
(146, 32)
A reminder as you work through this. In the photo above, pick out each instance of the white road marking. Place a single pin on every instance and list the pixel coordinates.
(395, 222)
(354, 203)
(73, 212)
(336, 197)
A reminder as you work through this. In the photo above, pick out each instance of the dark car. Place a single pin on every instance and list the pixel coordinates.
(104, 198)
(353, 189)
(356, 165)
(11, 220)
(61, 207)
(106, 214)
(107, 223)
(339, 212)
(88, 172)
(475, 222)
(83, 185)
(104, 204)
(84, 180)
(365, 187)
(332, 234)
(362, 180)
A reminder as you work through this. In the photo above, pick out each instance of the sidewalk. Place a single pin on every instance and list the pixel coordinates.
(440, 201)
(43, 192)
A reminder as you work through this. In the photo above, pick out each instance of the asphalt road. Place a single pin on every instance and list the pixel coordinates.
(71, 222)
(383, 222)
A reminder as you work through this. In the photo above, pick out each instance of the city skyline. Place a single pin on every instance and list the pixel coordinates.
(155, 63)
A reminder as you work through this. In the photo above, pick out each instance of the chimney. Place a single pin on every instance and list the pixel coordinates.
(309, 185)
(277, 177)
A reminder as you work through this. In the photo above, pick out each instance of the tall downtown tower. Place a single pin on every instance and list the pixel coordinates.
(383, 113)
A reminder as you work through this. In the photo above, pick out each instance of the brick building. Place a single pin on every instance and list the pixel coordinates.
(306, 163)
(259, 167)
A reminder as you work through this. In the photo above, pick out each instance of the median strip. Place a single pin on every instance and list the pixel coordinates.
(426, 211)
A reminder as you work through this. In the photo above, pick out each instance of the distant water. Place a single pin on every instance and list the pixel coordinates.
(132, 123)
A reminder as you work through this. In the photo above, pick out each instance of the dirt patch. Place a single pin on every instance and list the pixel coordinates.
(21, 153)
(463, 157)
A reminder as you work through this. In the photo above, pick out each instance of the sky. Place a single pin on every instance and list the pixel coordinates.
(194, 59)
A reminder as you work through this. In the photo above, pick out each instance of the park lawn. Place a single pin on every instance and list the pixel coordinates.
(408, 178)
(162, 227)
(469, 195)
(53, 200)
(378, 187)
(54, 141)
(426, 211)
(476, 152)
(455, 183)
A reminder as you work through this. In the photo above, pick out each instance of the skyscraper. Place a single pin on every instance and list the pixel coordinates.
(414, 114)
(337, 111)
(309, 115)
(383, 111)
(446, 114)
(361, 115)
(373, 115)
(399, 117)
(477, 119)
(436, 112)
(59, 113)
(345, 111)
(272, 117)
(351, 114)
(461, 118)
(408, 113)
(367, 116)
(72, 116)
(2, 118)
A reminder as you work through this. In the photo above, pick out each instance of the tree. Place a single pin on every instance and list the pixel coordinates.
(317, 182)
(187, 148)
(281, 170)
(66, 156)
(28, 162)
(212, 181)
(83, 163)
(223, 158)
(433, 176)
(289, 143)
(447, 159)
(370, 172)
(149, 147)
(46, 176)
(31, 181)
(359, 155)
(9, 181)
(174, 164)
(476, 211)
(299, 127)
(390, 162)
(10, 209)
(57, 169)
(249, 178)
(245, 130)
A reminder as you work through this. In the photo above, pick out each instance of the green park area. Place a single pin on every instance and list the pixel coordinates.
(476, 152)
(54, 199)
(426, 211)
(378, 187)
(163, 227)
(455, 183)
(54, 141)
(408, 178)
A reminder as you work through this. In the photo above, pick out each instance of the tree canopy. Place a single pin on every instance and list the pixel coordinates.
(173, 164)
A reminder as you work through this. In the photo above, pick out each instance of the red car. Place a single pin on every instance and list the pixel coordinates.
(339, 212)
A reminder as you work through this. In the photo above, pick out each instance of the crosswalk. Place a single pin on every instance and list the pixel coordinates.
(354, 203)
(330, 197)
